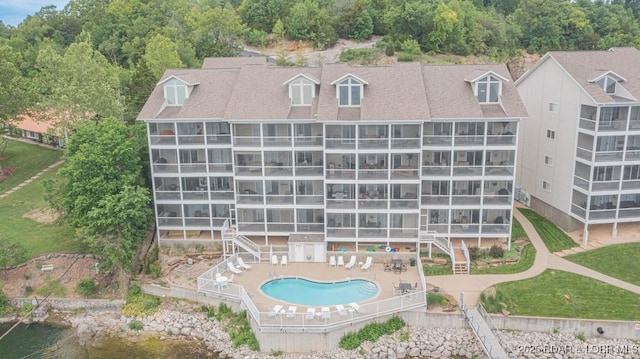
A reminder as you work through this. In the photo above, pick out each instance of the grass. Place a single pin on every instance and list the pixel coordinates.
(28, 159)
(527, 257)
(37, 238)
(437, 270)
(552, 236)
(556, 293)
(618, 261)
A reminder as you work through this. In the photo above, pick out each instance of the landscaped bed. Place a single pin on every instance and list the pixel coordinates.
(552, 236)
(618, 261)
(556, 293)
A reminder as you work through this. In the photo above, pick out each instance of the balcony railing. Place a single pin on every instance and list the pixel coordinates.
(169, 222)
(467, 170)
(584, 153)
(405, 143)
(197, 222)
(365, 232)
(497, 199)
(405, 173)
(462, 228)
(465, 199)
(495, 229)
(280, 227)
(578, 210)
(341, 232)
(202, 194)
(634, 125)
(250, 227)
(338, 173)
(311, 227)
(305, 141)
(404, 203)
(310, 198)
(162, 140)
(193, 168)
(501, 140)
(277, 141)
(249, 170)
(630, 184)
(220, 168)
(629, 213)
(341, 203)
(308, 170)
(605, 185)
(398, 233)
(165, 167)
(608, 156)
(373, 174)
(250, 198)
(220, 139)
(278, 170)
(373, 203)
(588, 125)
(632, 154)
(438, 227)
(602, 214)
(435, 200)
(441, 140)
(506, 170)
(247, 141)
(340, 143)
(436, 170)
(279, 199)
(222, 195)
(375, 143)
(167, 195)
(469, 140)
(191, 140)
(581, 182)
(612, 126)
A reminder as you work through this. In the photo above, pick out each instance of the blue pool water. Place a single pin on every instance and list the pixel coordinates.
(306, 292)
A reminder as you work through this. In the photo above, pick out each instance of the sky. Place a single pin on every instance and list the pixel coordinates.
(12, 12)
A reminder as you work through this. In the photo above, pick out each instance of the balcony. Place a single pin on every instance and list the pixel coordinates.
(632, 154)
(630, 184)
(277, 141)
(581, 182)
(435, 200)
(307, 141)
(609, 156)
(408, 143)
(382, 173)
(404, 203)
(438, 227)
(280, 227)
(504, 140)
(279, 199)
(193, 168)
(250, 198)
(247, 141)
(341, 204)
(191, 140)
(169, 221)
(167, 195)
(465, 228)
(340, 173)
(506, 170)
(310, 198)
(222, 195)
(365, 232)
(404, 173)
(629, 213)
(469, 140)
(341, 232)
(612, 126)
(278, 169)
(373, 143)
(219, 139)
(220, 168)
(493, 199)
(436, 170)
(249, 171)
(402, 233)
(605, 185)
(599, 214)
(311, 227)
(162, 139)
(251, 227)
(465, 170)
(371, 203)
(197, 222)
(584, 153)
(340, 143)
(200, 194)
(502, 229)
(159, 167)
(578, 210)
(465, 200)
(586, 124)
(308, 170)
(436, 140)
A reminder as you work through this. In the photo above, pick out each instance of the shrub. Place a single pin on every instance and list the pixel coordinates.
(136, 325)
(365, 56)
(496, 251)
(474, 253)
(436, 298)
(139, 304)
(371, 333)
(390, 50)
(86, 287)
(26, 309)
(52, 288)
(257, 38)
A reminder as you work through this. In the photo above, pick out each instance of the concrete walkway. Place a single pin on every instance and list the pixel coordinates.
(33, 178)
(473, 285)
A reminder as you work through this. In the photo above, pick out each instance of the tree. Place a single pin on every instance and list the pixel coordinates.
(15, 92)
(217, 32)
(103, 193)
(161, 54)
(11, 253)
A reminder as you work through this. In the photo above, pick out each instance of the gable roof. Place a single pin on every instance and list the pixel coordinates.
(31, 123)
(187, 78)
(584, 66)
(306, 76)
(477, 74)
(610, 74)
(347, 76)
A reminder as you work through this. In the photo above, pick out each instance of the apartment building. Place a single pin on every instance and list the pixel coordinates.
(579, 152)
(353, 155)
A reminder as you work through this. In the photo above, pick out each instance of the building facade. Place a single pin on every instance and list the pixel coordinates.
(375, 155)
(579, 153)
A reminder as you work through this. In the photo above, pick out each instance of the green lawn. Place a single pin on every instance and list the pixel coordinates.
(28, 159)
(618, 261)
(36, 238)
(552, 236)
(560, 294)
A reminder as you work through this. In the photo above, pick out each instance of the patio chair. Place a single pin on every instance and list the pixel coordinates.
(341, 310)
(332, 261)
(352, 262)
(340, 261)
(242, 264)
(225, 284)
(311, 312)
(326, 314)
(233, 268)
(291, 312)
(357, 307)
(283, 262)
(274, 260)
(367, 263)
(275, 310)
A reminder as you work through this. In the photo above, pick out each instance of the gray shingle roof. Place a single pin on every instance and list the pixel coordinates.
(588, 65)
(249, 89)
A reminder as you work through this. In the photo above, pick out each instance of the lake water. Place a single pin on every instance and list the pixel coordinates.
(48, 342)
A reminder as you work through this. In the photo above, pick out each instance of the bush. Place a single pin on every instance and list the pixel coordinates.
(370, 333)
(257, 38)
(136, 325)
(365, 56)
(52, 288)
(139, 304)
(496, 251)
(390, 50)
(474, 253)
(86, 287)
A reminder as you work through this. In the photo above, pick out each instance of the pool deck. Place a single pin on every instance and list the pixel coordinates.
(252, 279)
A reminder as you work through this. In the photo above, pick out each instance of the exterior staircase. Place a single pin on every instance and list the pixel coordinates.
(231, 234)
(459, 266)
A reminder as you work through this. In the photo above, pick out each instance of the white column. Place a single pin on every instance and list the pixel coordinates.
(585, 234)
(614, 230)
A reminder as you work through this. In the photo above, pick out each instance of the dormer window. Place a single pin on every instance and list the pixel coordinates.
(488, 89)
(175, 92)
(608, 84)
(302, 89)
(349, 92)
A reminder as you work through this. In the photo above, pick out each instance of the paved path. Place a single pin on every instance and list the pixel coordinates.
(473, 285)
(33, 178)
(484, 334)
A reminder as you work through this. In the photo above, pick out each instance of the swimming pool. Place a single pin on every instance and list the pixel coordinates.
(307, 292)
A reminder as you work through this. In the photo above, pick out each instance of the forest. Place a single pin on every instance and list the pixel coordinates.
(105, 56)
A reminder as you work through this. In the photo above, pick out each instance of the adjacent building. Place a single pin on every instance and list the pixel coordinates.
(354, 155)
(579, 152)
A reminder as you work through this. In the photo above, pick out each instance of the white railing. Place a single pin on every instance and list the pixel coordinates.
(465, 251)
(241, 241)
(452, 255)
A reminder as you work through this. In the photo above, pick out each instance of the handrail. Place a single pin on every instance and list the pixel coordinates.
(465, 251)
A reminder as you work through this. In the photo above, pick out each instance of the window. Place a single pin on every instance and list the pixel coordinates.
(553, 107)
(488, 89)
(301, 91)
(551, 134)
(608, 115)
(349, 92)
(603, 173)
(175, 92)
(31, 134)
(631, 172)
(546, 186)
(608, 84)
(548, 160)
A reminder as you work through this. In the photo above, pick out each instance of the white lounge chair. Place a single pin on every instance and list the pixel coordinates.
(291, 312)
(233, 268)
(341, 310)
(357, 307)
(275, 310)
(352, 262)
(332, 261)
(367, 263)
(274, 260)
(311, 312)
(283, 262)
(326, 314)
(242, 264)
(340, 261)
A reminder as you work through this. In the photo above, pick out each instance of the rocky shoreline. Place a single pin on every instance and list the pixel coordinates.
(185, 321)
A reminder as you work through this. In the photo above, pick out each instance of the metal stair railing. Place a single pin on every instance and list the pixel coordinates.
(248, 245)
